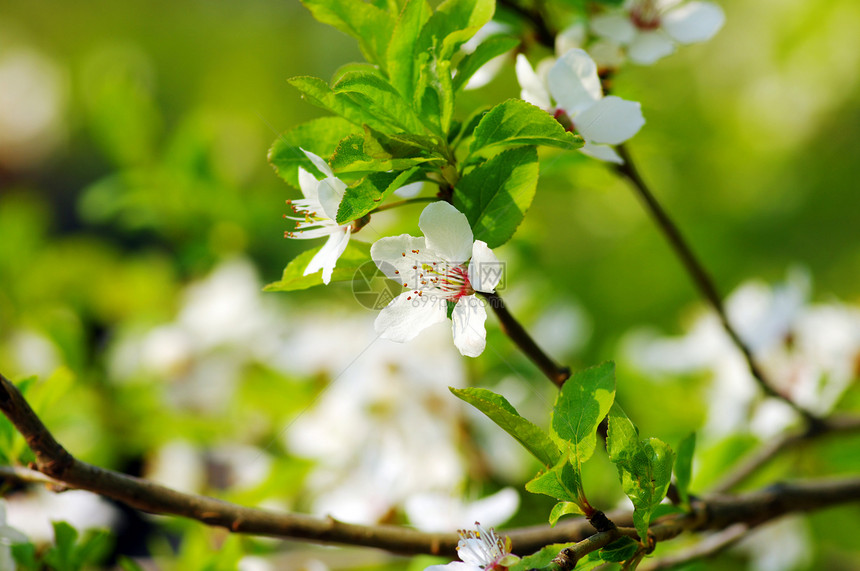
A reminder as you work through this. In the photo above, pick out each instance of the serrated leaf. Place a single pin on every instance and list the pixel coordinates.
(496, 195)
(317, 92)
(514, 123)
(355, 255)
(401, 50)
(487, 50)
(562, 482)
(320, 136)
(562, 509)
(369, 192)
(375, 152)
(434, 91)
(453, 23)
(684, 467)
(645, 467)
(584, 400)
(620, 550)
(378, 97)
(500, 411)
(365, 22)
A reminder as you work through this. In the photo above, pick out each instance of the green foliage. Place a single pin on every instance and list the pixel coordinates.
(486, 50)
(583, 402)
(365, 195)
(541, 558)
(645, 467)
(496, 195)
(355, 255)
(321, 136)
(500, 411)
(620, 550)
(514, 123)
(367, 23)
(69, 553)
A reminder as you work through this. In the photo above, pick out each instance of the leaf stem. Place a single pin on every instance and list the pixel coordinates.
(703, 282)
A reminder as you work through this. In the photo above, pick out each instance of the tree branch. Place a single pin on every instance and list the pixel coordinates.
(512, 328)
(711, 513)
(699, 275)
(708, 547)
(749, 465)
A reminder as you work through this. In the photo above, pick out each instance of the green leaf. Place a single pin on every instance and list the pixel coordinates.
(378, 152)
(645, 467)
(128, 564)
(488, 49)
(496, 195)
(684, 467)
(317, 92)
(584, 400)
(434, 91)
(514, 123)
(500, 411)
(562, 482)
(620, 550)
(320, 136)
(564, 508)
(62, 555)
(454, 22)
(365, 195)
(365, 22)
(355, 255)
(376, 96)
(402, 49)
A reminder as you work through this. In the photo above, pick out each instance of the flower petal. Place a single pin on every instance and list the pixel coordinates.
(649, 47)
(328, 255)
(410, 190)
(573, 82)
(570, 38)
(468, 319)
(408, 315)
(319, 162)
(616, 27)
(694, 22)
(532, 88)
(454, 566)
(400, 258)
(331, 192)
(601, 152)
(447, 232)
(309, 185)
(611, 120)
(485, 269)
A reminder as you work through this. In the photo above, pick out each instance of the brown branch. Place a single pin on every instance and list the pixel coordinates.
(751, 464)
(699, 276)
(512, 328)
(711, 513)
(708, 547)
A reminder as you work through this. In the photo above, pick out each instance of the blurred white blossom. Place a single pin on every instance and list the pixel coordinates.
(33, 511)
(809, 351)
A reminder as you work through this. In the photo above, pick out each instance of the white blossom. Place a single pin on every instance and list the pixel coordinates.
(316, 215)
(446, 265)
(480, 550)
(650, 29)
(572, 83)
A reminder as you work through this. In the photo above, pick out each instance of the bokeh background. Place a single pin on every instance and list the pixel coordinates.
(139, 221)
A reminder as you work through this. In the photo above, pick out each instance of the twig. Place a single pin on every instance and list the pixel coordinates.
(700, 276)
(28, 476)
(766, 453)
(512, 328)
(708, 547)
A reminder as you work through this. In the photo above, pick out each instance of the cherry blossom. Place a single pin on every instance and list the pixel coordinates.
(650, 29)
(573, 84)
(446, 265)
(480, 550)
(316, 215)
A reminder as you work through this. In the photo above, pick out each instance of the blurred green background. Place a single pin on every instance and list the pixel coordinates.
(133, 141)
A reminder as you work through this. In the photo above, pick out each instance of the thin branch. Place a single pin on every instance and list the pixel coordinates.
(699, 275)
(512, 328)
(405, 202)
(766, 453)
(28, 476)
(708, 547)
